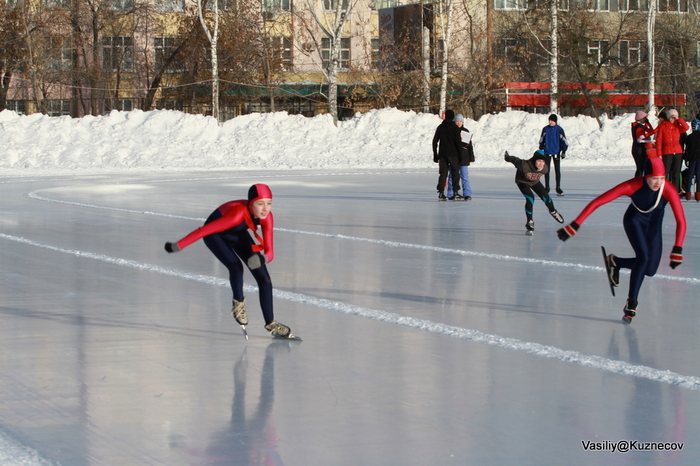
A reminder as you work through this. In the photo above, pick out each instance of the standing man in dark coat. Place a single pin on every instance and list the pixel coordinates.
(554, 144)
(448, 138)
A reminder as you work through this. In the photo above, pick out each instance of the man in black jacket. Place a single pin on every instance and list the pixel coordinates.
(448, 138)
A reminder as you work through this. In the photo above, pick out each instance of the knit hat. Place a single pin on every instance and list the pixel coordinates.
(539, 155)
(258, 191)
(695, 124)
(449, 115)
(640, 115)
(654, 166)
(459, 117)
(553, 118)
(672, 113)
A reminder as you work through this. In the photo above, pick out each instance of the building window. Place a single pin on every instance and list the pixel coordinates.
(276, 5)
(281, 48)
(599, 5)
(630, 52)
(510, 4)
(375, 54)
(57, 107)
(125, 105)
(118, 53)
(331, 5)
(344, 52)
(15, 106)
(121, 4)
(508, 50)
(380, 4)
(61, 56)
(632, 5)
(598, 50)
(164, 48)
(169, 6)
(680, 6)
(57, 4)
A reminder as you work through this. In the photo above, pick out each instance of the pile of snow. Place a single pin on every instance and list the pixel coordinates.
(388, 138)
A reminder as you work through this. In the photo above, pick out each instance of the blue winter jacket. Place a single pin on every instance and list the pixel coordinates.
(553, 140)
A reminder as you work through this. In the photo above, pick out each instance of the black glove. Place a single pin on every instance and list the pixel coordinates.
(676, 256)
(568, 231)
(563, 154)
(172, 247)
(435, 158)
(505, 156)
(256, 261)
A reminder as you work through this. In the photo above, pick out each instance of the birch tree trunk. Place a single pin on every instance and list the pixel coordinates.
(651, 22)
(213, 37)
(554, 58)
(445, 15)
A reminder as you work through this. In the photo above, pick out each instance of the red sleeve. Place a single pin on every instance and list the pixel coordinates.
(626, 188)
(232, 217)
(682, 124)
(671, 194)
(268, 226)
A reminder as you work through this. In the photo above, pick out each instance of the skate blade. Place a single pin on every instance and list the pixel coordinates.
(245, 332)
(529, 233)
(627, 319)
(288, 337)
(607, 271)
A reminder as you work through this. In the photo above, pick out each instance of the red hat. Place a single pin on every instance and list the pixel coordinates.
(654, 166)
(258, 191)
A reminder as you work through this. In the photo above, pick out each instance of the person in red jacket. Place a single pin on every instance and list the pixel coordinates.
(668, 145)
(642, 222)
(641, 142)
(231, 235)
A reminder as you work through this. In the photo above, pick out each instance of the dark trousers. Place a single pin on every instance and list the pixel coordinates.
(644, 234)
(230, 251)
(693, 172)
(557, 171)
(673, 163)
(529, 193)
(451, 164)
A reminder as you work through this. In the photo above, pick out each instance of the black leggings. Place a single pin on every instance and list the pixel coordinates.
(230, 254)
(541, 191)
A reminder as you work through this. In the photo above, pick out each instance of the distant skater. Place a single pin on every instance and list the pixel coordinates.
(527, 177)
(642, 222)
(231, 235)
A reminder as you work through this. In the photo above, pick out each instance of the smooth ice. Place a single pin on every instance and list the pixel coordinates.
(434, 333)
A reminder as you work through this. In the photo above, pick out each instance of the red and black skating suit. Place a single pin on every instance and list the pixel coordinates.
(231, 235)
(642, 222)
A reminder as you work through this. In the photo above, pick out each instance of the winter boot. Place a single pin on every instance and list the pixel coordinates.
(441, 196)
(630, 310)
(557, 216)
(688, 196)
(277, 329)
(614, 269)
(239, 313)
(530, 227)
(559, 191)
(457, 197)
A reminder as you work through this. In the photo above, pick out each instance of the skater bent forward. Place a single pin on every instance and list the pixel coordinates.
(642, 222)
(228, 233)
(527, 177)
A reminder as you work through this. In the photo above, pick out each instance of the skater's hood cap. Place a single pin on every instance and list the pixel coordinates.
(654, 166)
(640, 115)
(553, 118)
(672, 113)
(459, 117)
(258, 191)
(695, 124)
(449, 115)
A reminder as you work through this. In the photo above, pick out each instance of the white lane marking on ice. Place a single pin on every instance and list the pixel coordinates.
(393, 244)
(536, 349)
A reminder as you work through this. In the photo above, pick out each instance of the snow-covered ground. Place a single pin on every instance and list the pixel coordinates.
(379, 139)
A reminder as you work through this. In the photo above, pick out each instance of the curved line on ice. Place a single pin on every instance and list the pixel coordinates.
(393, 244)
(536, 349)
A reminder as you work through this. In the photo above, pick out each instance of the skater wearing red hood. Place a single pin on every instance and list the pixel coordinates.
(642, 222)
(229, 233)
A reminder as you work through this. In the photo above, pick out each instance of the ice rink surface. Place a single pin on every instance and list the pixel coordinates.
(434, 333)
